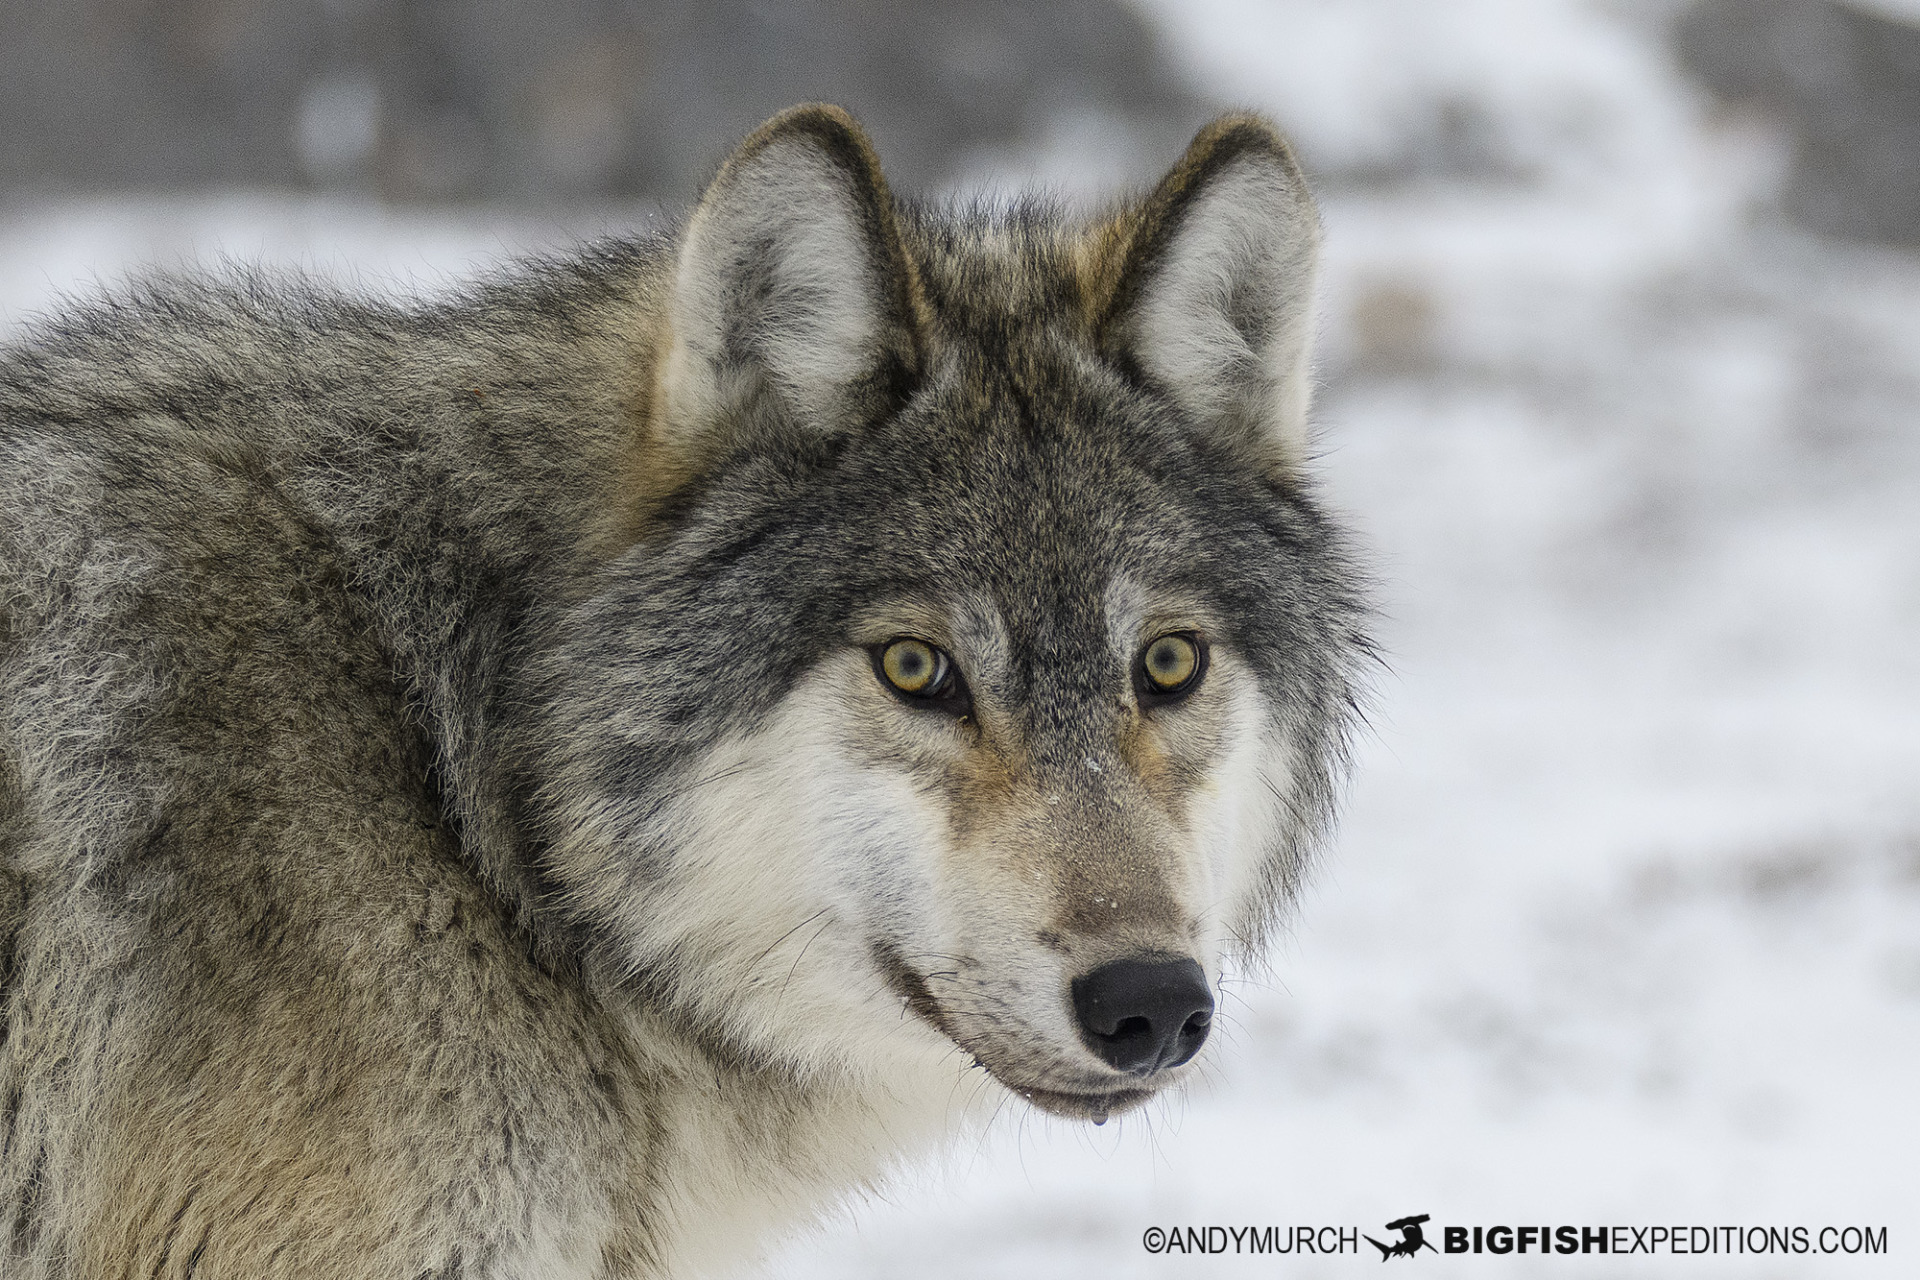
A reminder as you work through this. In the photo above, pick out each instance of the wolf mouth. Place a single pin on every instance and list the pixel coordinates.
(1085, 1106)
(1091, 1105)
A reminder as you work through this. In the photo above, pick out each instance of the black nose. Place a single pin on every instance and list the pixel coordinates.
(1144, 1015)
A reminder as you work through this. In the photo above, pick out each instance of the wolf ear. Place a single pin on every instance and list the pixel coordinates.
(793, 299)
(1208, 292)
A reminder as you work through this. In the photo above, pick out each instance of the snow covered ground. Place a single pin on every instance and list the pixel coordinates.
(1623, 922)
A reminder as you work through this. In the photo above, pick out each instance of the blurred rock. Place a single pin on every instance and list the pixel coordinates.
(1512, 94)
(1845, 77)
(451, 99)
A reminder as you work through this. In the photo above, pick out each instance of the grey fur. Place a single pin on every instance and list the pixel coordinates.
(360, 661)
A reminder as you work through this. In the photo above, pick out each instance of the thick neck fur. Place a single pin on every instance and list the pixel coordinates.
(514, 431)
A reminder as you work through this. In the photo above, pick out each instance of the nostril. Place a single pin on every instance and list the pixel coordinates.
(1144, 1014)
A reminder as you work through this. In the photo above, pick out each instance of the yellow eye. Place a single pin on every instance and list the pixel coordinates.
(1171, 664)
(914, 667)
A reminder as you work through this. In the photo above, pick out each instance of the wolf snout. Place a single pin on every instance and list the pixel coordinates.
(1144, 1014)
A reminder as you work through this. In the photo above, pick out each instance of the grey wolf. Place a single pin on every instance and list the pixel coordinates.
(572, 779)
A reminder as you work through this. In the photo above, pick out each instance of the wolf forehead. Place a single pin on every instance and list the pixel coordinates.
(1024, 477)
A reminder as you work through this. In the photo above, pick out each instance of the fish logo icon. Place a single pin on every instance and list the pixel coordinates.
(1412, 1239)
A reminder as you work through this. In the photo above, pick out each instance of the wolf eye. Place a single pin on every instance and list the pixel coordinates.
(921, 673)
(1171, 666)
(913, 666)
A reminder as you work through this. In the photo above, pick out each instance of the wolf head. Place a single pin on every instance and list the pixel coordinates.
(979, 670)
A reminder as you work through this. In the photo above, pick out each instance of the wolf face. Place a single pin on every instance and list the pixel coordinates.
(977, 668)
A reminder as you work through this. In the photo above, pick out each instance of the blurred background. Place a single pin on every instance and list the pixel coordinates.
(1621, 334)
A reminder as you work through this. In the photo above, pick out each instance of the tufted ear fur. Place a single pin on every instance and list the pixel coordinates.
(793, 300)
(1208, 289)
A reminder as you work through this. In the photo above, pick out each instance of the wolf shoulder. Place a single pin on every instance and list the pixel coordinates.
(196, 461)
(230, 894)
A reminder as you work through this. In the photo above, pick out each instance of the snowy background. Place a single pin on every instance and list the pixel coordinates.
(1622, 924)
